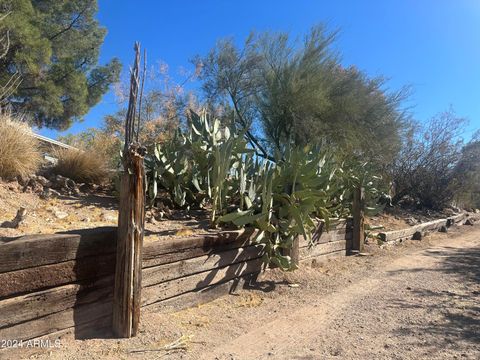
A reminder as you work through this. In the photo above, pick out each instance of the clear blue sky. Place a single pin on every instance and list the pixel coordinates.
(432, 45)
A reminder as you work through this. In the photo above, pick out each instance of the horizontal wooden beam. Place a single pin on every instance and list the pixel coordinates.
(169, 289)
(326, 237)
(322, 249)
(408, 232)
(52, 275)
(36, 250)
(157, 274)
(51, 323)
(41, 303)
(200, 296)
(162, 252)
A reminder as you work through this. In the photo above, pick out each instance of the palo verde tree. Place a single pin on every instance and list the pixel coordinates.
(54, 47)
(290, 92)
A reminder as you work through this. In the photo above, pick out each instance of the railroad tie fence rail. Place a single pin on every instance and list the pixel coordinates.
(59, 284)
(423, 228)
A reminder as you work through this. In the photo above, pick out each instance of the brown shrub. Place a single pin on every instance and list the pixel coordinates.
(19, 152)
(81, 166)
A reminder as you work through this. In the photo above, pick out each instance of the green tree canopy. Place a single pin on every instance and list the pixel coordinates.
(54, 46)
(288, 91)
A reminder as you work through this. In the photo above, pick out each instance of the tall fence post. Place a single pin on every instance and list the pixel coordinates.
(131, 219)
(358, 207)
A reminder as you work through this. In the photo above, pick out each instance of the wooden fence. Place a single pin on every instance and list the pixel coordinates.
(327, 244)
(63, 283)
(423, 228)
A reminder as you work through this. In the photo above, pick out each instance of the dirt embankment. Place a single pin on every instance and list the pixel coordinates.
(62, 213)
(94, 209)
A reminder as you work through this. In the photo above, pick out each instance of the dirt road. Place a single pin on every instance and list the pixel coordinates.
(420, 300)
(424, 304)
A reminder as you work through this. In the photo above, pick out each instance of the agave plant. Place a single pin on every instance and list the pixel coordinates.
(292, 193)
(198, 165)
(211, 165)
(169, 168)
(355, 174)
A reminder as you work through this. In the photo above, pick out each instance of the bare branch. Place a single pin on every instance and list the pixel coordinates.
(6, 46)
(71, 25)
(132, 103)
(141, 91)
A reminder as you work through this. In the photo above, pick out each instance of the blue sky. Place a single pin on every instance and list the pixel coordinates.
(432, 45)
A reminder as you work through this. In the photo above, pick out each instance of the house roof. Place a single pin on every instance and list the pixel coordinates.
(49, 141)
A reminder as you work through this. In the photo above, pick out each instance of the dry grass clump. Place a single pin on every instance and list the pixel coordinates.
(81, 166)
(19, 152)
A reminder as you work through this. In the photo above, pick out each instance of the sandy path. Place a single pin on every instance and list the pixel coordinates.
(420, 300)
(423, 305)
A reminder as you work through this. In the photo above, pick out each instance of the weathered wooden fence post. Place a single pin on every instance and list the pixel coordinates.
(294, 252)
(131, 219)
(358, 207)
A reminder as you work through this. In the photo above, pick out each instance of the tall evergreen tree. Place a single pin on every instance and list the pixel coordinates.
(54, 47)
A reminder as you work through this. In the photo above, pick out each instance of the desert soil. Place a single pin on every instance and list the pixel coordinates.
(418, 300)
(65, 213)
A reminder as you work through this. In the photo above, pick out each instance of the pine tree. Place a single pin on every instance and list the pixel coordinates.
(54, 46)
